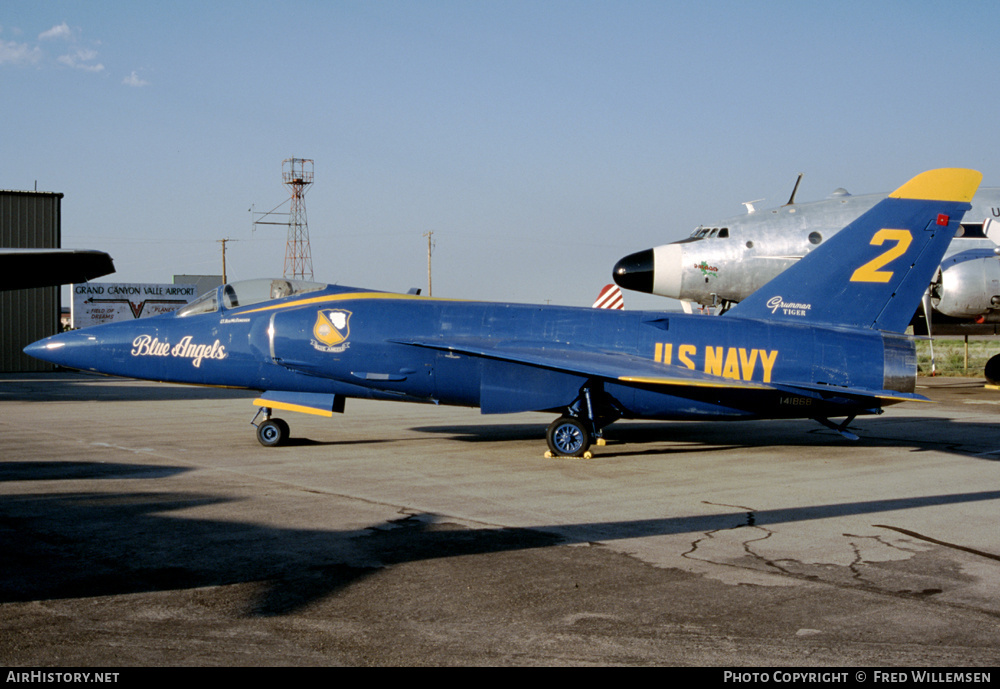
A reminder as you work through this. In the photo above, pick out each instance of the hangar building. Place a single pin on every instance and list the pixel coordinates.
(28, 220)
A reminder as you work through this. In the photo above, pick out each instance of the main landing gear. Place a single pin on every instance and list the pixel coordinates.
(569, 436)
(271, 432)
(572, 434)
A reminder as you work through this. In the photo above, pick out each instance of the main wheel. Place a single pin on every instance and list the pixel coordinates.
(272, 433)
(568, 437)
(992, 370)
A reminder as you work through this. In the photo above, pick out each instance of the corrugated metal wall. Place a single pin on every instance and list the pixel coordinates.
(28, 220)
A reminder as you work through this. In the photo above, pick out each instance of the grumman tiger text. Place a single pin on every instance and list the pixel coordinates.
(147, 345)
(788, 308)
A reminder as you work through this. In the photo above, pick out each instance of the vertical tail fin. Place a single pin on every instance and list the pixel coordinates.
(873, 273)
(610, 297)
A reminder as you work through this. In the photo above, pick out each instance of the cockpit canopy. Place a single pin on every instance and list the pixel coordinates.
(247, 292)
(702, 232)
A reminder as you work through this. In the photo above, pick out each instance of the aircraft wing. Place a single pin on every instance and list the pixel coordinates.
(25, 268)
(635, 371)
(609, 366)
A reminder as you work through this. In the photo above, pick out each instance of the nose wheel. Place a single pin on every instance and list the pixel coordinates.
(271, 432)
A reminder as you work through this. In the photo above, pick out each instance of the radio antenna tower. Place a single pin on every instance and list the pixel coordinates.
(297, 173)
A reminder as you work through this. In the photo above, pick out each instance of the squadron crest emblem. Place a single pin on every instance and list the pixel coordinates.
(332, 328)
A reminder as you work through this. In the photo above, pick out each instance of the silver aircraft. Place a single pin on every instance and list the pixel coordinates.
(720, 264)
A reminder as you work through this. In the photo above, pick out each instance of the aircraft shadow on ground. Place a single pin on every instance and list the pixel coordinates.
(627, 438)
(68, 471)
(60, 546)
(65, 387)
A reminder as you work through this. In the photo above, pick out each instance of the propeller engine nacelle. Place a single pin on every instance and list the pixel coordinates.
(968, 285)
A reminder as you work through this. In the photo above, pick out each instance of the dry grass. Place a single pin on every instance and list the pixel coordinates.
(949, 356)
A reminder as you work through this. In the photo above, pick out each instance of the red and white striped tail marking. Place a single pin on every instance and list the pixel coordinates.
(610, 298)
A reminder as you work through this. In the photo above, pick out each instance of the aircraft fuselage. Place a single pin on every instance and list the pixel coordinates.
(401, 347)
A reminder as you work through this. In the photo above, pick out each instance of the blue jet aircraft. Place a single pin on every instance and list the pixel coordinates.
(822, 340)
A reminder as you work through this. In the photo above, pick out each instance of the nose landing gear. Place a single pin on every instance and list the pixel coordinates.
(271, 432)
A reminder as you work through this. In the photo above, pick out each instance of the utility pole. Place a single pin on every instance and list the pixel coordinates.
(429, 247)
(223, 243)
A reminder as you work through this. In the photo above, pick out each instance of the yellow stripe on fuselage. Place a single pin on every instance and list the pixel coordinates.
(653, 380)
(944, 184)
(346, 296)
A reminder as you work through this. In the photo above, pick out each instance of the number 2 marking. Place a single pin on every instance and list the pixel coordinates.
(870, 272)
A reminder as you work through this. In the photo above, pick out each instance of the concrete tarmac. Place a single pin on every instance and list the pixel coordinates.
(142, 525)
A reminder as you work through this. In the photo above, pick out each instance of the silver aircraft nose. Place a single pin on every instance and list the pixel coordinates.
(653, 271)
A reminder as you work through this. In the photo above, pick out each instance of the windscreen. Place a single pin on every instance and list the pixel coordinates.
(249, 292)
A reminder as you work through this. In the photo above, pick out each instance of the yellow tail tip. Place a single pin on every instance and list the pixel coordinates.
(943, 184)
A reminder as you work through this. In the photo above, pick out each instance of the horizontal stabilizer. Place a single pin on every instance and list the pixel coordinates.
(822, 391)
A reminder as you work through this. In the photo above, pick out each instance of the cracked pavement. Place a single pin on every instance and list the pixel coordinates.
(143, 525)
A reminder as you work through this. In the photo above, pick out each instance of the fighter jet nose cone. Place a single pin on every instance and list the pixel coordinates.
(62, 349)
(635, 272)
(36, 349)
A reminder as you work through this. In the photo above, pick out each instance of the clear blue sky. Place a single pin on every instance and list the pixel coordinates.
(539, 141)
